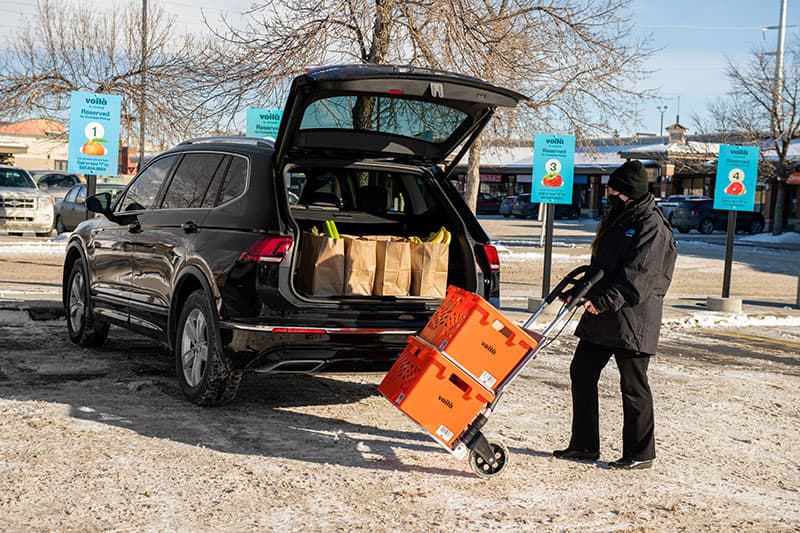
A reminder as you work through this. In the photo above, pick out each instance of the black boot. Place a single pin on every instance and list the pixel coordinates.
(574, 454)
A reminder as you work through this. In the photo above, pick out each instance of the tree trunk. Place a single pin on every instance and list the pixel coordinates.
(472, 182)
(780, 201)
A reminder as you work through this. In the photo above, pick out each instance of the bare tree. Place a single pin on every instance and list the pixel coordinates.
(67, 47)
(575, 59)
(749, 112)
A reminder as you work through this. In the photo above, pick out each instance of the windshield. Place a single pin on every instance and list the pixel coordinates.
(11, 177)
(426, 121)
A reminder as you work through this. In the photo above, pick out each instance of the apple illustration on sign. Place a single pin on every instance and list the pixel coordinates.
(553, 177)
(736, 186)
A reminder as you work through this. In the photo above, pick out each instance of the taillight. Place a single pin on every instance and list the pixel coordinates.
(695, 212)
(491, 257)
(270, 249)
(397, 92)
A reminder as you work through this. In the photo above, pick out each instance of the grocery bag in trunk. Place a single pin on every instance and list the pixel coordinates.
(359, 265)
(321, 269)
(429, 262)
(392, 266)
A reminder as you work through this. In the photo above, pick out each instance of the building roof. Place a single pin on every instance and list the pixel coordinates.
(38, 127)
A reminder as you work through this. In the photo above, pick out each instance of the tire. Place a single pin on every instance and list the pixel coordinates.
(60, 226)
(43, 233)
(484, 470)
(706, 226)
(756, 226)
(205, 375)
(84, 328)
(506, 216)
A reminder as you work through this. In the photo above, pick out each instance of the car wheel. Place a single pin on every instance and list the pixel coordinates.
(683, 229)
(60, 226)
(506, 216)
(574, 214)
(205, 375)
(706, 226)
(756, 226)
(83, 327)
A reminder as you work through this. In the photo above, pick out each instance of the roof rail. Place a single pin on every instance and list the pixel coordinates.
(231, 139)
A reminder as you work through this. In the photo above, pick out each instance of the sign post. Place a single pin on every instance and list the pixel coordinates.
(94, 128)
(551, 183)
(735, 190)
(264, 123)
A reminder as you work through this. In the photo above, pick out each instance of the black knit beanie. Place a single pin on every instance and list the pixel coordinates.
(630, 179)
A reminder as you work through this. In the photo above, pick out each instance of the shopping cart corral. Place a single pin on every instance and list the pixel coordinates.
(451, 376)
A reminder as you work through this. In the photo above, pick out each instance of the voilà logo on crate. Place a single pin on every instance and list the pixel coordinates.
(446, 402)
(489, 348)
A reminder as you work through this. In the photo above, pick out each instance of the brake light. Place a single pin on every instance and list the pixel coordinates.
(695, 212)
(492, 257)
(270, 249)
(396, 91)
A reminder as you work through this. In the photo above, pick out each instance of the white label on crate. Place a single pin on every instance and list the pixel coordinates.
(444, 433)
(487, 379)
(497, 325)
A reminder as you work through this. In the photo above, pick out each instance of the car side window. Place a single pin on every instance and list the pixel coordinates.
(143, 191)
(72, 194)
(235, 180)
(191, 181)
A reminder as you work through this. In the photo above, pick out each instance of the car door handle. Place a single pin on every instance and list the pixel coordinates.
(134, 227)
(189, 227)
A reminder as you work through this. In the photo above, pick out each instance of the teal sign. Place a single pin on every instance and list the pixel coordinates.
(737, 172)
(94, 133)
(264, 123)
(553, 168)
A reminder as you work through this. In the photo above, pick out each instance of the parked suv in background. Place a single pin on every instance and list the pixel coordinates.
(701, 215)
(23, 207)
(201, 251)
(56, 183)
(668, 204)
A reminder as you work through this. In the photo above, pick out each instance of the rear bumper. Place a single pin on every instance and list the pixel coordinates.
(280, 348)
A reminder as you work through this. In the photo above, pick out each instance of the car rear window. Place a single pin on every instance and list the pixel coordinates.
(10, 177)
(426, 121)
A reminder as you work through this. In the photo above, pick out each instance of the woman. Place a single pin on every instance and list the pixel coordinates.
(636, 250)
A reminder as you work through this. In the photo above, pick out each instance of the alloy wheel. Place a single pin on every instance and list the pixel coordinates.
(77, 301)
(194, 347)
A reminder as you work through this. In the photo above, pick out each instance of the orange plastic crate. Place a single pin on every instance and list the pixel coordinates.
(469, 330)
(434, 392)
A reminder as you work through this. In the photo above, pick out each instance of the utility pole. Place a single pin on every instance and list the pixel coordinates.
(661, 109)
(142, 88)
(778, 88)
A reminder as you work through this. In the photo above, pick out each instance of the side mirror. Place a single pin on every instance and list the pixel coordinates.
(43, 186)
(99, 203)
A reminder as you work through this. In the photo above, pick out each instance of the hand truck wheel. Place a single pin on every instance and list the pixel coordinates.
(494, 465)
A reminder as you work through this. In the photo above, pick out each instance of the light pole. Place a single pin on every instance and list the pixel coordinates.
(661, 109)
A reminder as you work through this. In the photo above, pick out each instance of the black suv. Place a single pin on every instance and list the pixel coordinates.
(201, 250)
(701, 215)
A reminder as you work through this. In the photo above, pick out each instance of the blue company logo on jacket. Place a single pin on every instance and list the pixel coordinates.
(630, 233)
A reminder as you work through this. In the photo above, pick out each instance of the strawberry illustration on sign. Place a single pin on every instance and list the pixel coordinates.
(736, 186)
(553, 177)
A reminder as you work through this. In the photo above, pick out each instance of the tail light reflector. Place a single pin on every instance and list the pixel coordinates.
(695, 212)
(270, 249)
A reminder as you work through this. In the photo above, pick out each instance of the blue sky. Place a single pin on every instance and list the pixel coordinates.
(694, 37)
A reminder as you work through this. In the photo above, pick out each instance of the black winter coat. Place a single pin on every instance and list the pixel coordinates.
(637, 255)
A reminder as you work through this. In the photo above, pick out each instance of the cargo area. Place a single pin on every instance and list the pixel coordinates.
(379, 204)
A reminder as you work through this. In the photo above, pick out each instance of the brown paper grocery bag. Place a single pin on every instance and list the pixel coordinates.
(359, 265)
(321, 268)
(392, 265)
(429, 262)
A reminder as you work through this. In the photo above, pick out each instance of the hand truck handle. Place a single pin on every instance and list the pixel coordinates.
(570, 280)
(578, 298)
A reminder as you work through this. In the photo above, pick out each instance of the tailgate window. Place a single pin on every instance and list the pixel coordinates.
(416, 119)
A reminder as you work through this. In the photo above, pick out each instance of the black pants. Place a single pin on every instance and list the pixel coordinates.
(589, 360)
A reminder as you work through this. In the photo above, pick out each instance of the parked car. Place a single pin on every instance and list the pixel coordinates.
(519, 205)
(487, 204)
(667, 205)
(55, 182)
(71, 210)
(701, 215)
(23, 207)
(505, 206)
(528, 209)
(202, 249)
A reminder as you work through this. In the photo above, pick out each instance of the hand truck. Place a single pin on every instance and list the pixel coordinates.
(453, 373)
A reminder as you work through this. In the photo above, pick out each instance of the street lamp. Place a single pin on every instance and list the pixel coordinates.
(661, 109)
